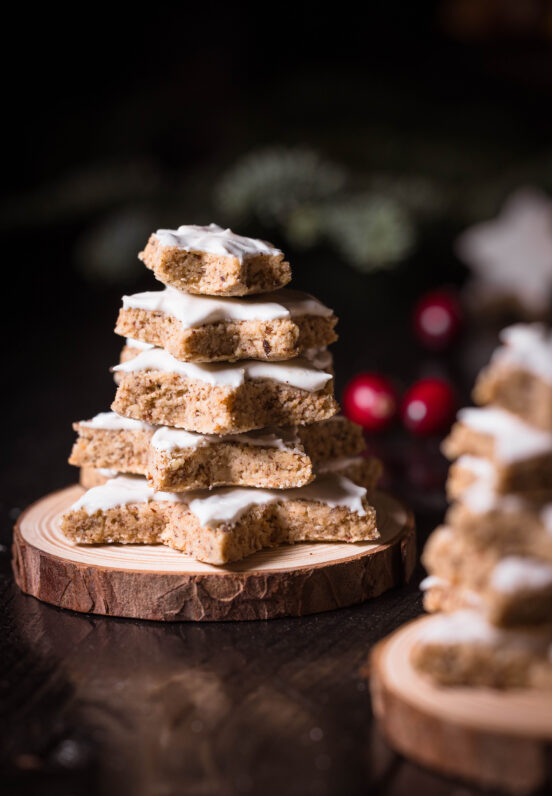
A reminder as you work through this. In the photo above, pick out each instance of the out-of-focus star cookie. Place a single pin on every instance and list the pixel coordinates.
(511, 256)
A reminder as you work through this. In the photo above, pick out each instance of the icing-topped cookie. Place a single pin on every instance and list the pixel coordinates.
(193, 310)
(460, 627)
(482, 469)
(113, 421)
(511, 255)
(480, 498)
(131, 342)
(222, 506)
(213, 261)
(276, 326)
(226, 505)
(213, 240)
(300, 373)
(517, 573)
(120, 491)
(513, 439)
(170, 439)
(527, 347)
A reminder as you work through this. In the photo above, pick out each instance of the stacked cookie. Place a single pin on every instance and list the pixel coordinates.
(490, 566)
(224, 436)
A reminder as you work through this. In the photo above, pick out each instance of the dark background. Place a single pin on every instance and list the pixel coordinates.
(117, 125)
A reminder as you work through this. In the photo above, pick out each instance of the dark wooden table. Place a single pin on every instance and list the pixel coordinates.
(105, 706)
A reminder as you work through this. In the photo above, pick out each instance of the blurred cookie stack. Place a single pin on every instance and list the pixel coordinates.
(490, 565)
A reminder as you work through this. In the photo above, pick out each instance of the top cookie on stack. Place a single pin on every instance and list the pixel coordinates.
(214, 261)
(215, 391)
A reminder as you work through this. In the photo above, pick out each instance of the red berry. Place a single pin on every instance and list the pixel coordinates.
(370, 400)
(437, 319)
(428, 406)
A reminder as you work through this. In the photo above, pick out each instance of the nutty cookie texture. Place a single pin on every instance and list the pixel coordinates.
(214, 261)
(221, 525)
(276, 326)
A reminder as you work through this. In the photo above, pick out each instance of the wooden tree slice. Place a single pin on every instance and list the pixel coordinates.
(490, 737)
(156, 582)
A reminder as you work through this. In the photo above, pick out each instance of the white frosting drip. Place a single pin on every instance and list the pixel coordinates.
(120, 491)
(225, 506)
(513, 439)
(432, 582)
(107, 473)
(115, 422)
(336, 465)
(132, 343)
(515, 573)
(481, 468)
(461, 627)
(222, 506)
(527, 347)
(214, 240)
(297, 372)
(480, 498)
(193, 310)
(169, 439)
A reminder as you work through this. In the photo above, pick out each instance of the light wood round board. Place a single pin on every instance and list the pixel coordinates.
(156, 582)
(491, 737)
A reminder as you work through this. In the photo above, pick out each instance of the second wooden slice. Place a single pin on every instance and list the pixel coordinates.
(488, 736)
(156, 582)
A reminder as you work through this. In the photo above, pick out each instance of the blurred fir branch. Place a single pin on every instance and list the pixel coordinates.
(303, 195)
(370, 231)
(372, 218)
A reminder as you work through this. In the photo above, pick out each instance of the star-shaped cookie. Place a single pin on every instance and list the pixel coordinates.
(511, 256)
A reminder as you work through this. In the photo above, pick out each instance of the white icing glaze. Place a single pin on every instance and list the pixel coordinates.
(115, 422)
(527, 347)
(120, 491)
(469, 626)
(192, 310)
(482, 469)
(132, 343)
(432, 582)
(225, 506)
(513, 439)
(516, 573)
(169, 439)
(460, 627)
(214, 240)
(107, 473)
(222, 506)
(480, 498)
(297, 372)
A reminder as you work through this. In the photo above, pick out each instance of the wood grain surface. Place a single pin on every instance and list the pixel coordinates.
(158, 583)
(491, 737)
